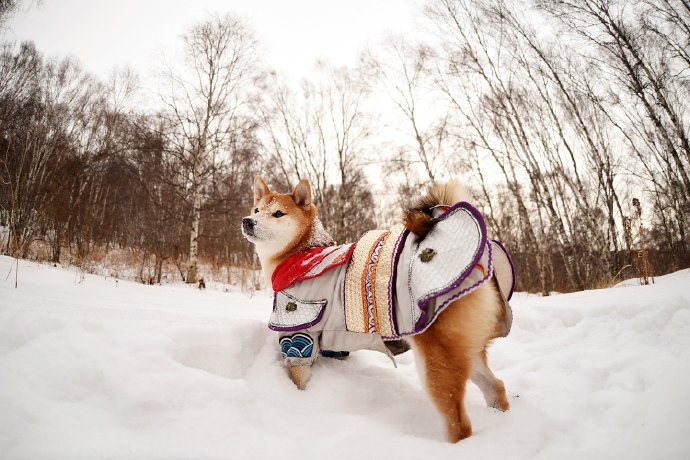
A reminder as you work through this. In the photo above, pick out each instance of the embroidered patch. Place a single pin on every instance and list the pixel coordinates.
(297, 346)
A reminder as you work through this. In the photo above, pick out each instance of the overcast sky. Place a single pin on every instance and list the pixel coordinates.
(104, 34)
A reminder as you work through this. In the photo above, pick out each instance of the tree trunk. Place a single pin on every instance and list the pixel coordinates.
(57, 243)
(194, 235)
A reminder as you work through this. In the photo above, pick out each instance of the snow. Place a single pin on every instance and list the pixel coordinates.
(95, 368)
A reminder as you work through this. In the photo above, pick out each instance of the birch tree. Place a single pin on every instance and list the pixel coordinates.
(205, 98)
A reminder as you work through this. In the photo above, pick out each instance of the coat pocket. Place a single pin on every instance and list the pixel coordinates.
(292, 314)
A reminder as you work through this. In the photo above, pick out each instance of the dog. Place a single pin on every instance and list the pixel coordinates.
(435, 281)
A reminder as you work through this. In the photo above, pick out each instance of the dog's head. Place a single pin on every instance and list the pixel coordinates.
(279, 222)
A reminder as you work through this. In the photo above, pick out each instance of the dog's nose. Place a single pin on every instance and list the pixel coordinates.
(248, 225)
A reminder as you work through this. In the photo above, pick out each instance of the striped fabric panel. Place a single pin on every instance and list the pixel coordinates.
(384, 278)
(368, 283)
(355, 299)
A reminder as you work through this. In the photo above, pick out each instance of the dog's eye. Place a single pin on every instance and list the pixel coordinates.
(278, 214)
(256, 210)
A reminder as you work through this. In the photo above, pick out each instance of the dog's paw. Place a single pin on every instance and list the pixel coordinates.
(300, 375)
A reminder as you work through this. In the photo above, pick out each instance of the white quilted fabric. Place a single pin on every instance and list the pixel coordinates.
(301, 313)
(456, 240)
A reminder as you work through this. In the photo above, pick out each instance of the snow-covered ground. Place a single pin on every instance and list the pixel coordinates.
(91, 368)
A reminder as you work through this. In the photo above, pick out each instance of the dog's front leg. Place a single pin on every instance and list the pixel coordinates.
(300, 375)
(299, 351)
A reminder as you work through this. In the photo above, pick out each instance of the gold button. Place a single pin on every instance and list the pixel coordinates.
(427, 255)
(291, 306)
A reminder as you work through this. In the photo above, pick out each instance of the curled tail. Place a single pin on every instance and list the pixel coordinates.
(419, 218)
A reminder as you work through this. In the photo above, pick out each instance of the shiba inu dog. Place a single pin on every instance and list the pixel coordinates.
(436, 281)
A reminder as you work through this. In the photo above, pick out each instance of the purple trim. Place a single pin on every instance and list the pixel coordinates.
(343, 300)
(422, 303)
(302, 326)
(342, 293)
(397, 250)
(512, 268)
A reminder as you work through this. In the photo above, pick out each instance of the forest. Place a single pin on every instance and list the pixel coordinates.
(569, 121)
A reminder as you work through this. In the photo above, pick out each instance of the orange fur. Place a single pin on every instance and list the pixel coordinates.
(300, 216)
(452, 350)
(300, 375)
(418, 219)
(304, 216)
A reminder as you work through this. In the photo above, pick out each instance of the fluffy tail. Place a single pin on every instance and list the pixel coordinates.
(419, 219)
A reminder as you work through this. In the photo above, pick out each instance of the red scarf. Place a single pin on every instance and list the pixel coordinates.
(297, 267)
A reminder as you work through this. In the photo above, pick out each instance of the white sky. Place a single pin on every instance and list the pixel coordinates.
(105, 34)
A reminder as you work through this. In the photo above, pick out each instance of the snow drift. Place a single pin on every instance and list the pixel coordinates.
(95, 368)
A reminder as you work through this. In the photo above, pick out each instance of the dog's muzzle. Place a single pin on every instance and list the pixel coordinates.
(248, 225)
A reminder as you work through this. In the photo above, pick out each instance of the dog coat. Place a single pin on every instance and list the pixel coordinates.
(388, 285)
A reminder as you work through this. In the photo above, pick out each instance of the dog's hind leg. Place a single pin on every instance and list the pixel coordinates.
(445, 353)
(493, 388)
(445, 378)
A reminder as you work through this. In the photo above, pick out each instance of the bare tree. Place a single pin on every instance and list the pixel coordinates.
(48, 108)
(482, 89)
(295, 135)
(6, 9)
(205, 98)
(344, 95)
(643, 44)
(401, 70)
(319, 131)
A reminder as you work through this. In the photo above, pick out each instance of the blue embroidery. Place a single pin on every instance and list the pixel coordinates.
(296, 346)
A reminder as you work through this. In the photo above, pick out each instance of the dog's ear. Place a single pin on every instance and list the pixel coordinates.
(302, 193)
(260, 189)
